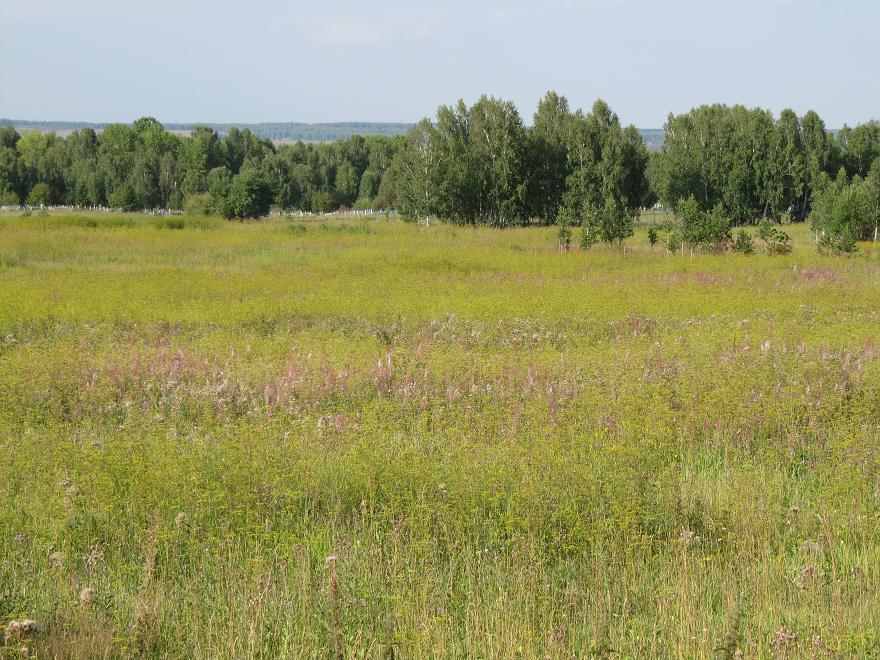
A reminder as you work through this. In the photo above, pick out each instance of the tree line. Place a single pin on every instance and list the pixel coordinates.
(720, 166)
(746, 166)
(482, 165)
(236, 175)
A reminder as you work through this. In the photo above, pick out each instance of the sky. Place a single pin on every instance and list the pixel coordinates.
(398, 60)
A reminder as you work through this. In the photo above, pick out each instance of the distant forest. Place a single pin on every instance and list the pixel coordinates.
(282, 131)
(717, 166)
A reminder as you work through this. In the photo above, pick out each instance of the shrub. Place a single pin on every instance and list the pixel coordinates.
(588, 237)
(652, 236)
(322, 202)
(706, 231)
(765, 230)
(249, 195)
(169, 223)
(776, 242)
(842, 243)
(743, 243)
(846, 211)
(364, 204)
(123, 198)
(780, 244)
(197, 204)
(9, 198)
(563, 234)
(40, 195)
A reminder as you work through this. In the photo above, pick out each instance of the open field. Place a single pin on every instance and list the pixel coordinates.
(311, 439)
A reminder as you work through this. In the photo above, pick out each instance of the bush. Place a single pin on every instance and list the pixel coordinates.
(780, 244)
(743, 243)
(776, 242)
(846, 211)
(9, 198)
(123, 198)
(322, 202)
(588, 237)
(706, 231)
(173, 222)
(249, 195)
(652, 236)
(187, 222)
(364, 204)
(714, 231)
(563, 235)
(842, 243)
(197, 204)
(40, 195)
(765, 230)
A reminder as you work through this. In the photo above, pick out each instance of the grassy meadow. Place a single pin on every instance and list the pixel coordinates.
(339, 438)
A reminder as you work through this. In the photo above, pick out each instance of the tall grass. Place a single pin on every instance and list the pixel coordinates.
(377, 438)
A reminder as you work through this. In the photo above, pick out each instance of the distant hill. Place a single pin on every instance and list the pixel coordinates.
(653, 138)
(281, 131)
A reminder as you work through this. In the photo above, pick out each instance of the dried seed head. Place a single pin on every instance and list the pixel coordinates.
(810, 547)
(18, 630)
(808, 575)
(13, 631)
(782, 638)
(688, 538)
(94, 558)
(87, 596)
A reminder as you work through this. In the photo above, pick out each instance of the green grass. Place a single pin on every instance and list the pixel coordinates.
(510, 451)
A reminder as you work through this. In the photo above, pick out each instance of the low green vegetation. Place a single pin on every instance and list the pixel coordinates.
(320, 437)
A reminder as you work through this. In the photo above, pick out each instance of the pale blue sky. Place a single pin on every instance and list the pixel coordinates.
(396, 60)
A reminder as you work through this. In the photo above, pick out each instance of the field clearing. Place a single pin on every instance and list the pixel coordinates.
(311, 438)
